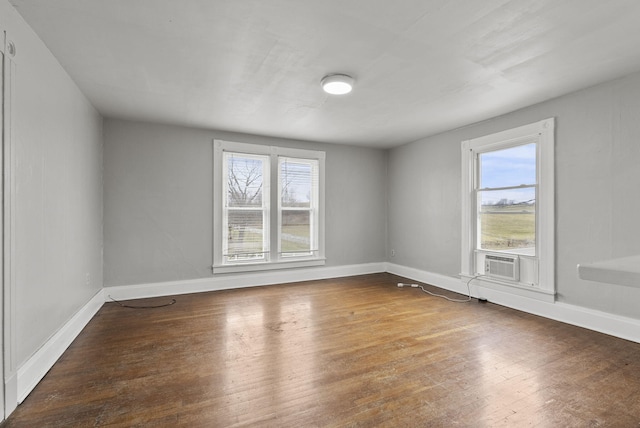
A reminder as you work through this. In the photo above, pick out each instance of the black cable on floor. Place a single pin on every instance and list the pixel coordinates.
(172, 302)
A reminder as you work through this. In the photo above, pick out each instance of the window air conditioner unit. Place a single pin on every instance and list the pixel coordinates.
(503, 267)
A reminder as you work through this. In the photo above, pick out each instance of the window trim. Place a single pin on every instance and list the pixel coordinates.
(543, 132)
(274, 261)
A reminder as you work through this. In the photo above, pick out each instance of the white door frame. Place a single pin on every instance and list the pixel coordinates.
(9, 387)
(2, 395)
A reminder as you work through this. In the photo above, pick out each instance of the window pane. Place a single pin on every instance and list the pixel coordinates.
(296, 233)
(298, 201)
(246, 235)
(509, 167)
(296, 181)
(508, 220)
(245, 180)
(246, 202)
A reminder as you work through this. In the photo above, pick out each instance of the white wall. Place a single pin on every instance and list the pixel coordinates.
(57, 172)
(158, 201)
(597, 203)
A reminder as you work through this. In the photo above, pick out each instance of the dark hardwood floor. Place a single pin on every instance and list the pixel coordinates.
(344, 352)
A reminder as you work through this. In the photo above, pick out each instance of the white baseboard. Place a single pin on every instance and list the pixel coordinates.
(240, 280)
(34, 369)
(447, 282)
(603, 322)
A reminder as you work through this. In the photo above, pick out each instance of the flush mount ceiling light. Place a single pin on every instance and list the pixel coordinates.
(337, 84)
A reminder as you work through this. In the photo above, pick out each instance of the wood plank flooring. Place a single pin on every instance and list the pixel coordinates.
(352, 352)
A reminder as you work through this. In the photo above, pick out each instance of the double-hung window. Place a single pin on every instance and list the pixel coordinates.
(268, 207)
(508, 210)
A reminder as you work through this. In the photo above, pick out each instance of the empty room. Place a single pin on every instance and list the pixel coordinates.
(233, 213)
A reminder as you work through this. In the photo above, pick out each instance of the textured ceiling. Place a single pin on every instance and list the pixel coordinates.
(254, 66)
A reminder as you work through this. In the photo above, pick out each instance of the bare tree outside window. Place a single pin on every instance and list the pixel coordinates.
(246, 214)
(244, 182)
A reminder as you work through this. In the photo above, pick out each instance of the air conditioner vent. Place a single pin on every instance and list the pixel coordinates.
(505, 267)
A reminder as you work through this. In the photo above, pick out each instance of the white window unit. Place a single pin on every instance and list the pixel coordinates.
(508, 210)
(268, 207)
(527, 268)
(505, 266)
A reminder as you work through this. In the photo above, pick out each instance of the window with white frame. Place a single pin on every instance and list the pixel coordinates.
(268, 207)
(508, 210)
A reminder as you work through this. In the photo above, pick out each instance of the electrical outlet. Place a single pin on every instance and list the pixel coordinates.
(87, 278)
(393, 253)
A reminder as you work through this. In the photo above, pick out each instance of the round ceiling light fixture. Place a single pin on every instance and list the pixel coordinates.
(337, 84)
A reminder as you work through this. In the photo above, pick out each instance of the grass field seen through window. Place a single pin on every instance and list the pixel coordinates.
(295, 238)
(508, 227)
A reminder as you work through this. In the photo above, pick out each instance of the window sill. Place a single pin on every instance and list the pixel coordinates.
(530, 291)
(256, 267)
